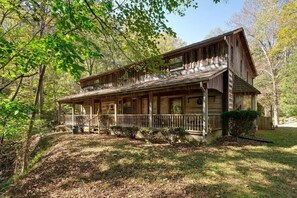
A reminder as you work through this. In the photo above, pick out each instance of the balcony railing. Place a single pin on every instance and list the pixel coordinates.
(190, 122)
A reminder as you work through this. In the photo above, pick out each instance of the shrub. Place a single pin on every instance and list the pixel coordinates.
(240, 122)
(173, 135)
(104, 121)
(117, 130)
(130, 132)
(149, 134)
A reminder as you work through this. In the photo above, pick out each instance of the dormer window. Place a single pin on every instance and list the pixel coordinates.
(176, 63)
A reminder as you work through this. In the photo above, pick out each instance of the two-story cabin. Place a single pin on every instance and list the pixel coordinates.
(205, 79)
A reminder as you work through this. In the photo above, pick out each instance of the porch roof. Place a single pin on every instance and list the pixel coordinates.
(172, 81)
(242, 87)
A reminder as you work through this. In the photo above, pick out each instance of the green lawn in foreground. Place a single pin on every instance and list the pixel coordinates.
(118, 167)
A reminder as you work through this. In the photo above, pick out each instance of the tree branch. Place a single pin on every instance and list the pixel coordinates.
(20, 76)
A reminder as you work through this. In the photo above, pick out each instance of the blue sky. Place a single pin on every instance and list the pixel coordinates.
(197, 23)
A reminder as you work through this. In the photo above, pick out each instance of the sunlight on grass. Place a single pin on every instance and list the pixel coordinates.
(130, 167)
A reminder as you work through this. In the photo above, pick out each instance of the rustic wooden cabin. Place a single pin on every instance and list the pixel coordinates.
(205, 79)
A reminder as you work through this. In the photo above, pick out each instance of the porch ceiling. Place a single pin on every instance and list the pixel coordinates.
(173, 81)
(242, 87)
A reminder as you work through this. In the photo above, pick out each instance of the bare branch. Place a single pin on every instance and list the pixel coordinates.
(20, 76)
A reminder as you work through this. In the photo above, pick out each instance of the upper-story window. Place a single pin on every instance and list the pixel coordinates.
(176, 63)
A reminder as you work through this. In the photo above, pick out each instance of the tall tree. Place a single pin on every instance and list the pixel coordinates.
(39, 36)
(259, 19)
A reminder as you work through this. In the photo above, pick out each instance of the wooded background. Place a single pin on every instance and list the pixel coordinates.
(47, 45)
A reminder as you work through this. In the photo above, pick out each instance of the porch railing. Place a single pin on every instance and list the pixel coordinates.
(190, 122)
(141, 120)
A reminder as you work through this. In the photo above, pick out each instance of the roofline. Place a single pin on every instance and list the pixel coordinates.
(186, 48)
(66, 99)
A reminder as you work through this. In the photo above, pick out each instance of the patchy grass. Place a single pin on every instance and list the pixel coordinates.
(105, 166)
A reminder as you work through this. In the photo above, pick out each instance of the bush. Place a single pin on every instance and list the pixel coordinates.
(104, 121)
(173, 135)
(130, 132)
(149, 134)
(117, 130)
(239, 122)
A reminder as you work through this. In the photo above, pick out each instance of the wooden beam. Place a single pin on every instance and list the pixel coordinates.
(254, 102)
(205, 111)
(91, 115)
(72, 115)
(116, 112)
(150, 109)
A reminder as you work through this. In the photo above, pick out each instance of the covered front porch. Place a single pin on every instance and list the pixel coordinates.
(190, 122)
(193, 103)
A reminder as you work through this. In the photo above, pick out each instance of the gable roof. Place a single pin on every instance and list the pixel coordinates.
(172, 81)
(209, 41)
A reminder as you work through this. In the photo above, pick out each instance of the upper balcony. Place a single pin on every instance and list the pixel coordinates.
(178, 62)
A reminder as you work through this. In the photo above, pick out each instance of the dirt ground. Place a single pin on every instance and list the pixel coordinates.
(92, 165)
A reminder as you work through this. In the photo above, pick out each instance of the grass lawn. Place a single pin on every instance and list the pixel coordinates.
(105, 166)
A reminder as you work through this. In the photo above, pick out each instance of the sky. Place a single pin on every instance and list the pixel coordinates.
(197, 23)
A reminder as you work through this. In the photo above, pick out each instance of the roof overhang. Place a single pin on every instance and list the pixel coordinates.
(242, 87)
(173, 81)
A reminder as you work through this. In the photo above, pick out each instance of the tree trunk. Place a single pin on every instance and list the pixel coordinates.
(32, 120)
(275, 103)
(40, 95)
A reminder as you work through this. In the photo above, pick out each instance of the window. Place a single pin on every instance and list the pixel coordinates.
(176, 106)
(247, 76)
(176, 63)
(236, 43)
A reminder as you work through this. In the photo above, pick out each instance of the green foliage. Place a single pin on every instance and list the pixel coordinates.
(240, 122)
(40, 151)
(149, 134)
(130, 132)
(13, 117)
(289, 87)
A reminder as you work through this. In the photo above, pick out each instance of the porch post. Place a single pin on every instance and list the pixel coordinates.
(150, 109)
(115, 113)
(72, 115)
(91, 115)
(205, 111)
(254, 102)
(59, 113)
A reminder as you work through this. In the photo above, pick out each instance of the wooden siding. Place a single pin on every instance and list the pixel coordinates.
(193, 105)
(198, 59)
(216, 83)
(240, 64)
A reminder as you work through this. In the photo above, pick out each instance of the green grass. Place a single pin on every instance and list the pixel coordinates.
(131, 168)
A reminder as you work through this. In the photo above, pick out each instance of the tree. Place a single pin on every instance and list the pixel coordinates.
(166, 43)
(259, 19)
(215, 32)
(289, 87)
(41, 36)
